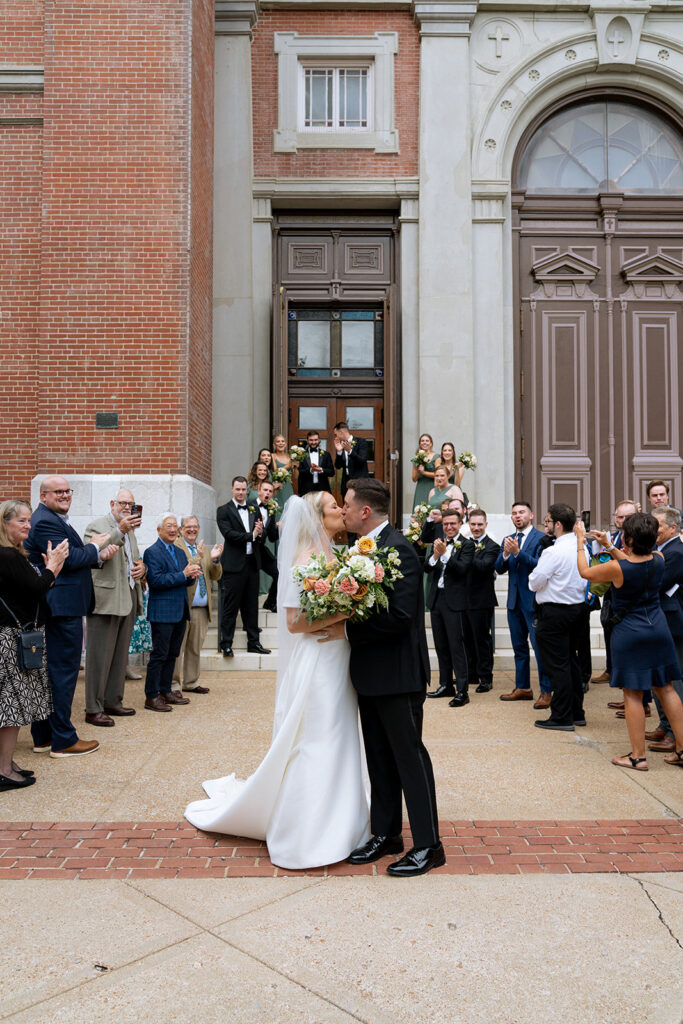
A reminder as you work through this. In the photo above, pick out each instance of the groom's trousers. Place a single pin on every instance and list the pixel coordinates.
(398, 763)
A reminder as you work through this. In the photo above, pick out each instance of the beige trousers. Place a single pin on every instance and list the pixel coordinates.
(107, 638)
(187, 667)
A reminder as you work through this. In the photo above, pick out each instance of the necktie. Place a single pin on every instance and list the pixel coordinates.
(520, 538)
(171, 548)
(200, 578)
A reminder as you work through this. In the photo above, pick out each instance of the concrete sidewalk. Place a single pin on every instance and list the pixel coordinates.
(456, 948)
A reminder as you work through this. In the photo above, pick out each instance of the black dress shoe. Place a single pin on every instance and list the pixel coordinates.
(376, 847)
(418, 861)
(227, 652)
(484, 688)
(442, 691)
(459, 700)
(257, 648)
(547, 723)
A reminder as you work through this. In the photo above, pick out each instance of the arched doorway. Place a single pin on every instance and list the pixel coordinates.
(598, 246)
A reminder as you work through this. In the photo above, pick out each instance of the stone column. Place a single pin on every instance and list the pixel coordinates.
(410, 358)
(234, 424)
(262, 252)
(445, 227)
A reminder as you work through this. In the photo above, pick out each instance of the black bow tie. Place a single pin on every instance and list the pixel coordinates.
(262, 505)
(242, 508)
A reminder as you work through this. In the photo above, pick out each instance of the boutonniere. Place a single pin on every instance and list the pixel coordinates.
(457, 545)
(273, 507)
(479, 546)
(321, 451)
(251, 509)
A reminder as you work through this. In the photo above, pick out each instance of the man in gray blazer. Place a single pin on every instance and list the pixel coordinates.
(118, 600)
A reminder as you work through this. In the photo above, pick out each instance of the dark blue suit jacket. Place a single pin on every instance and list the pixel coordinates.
(72, 594)
(673, 573)
(167, 583)
(519, 567)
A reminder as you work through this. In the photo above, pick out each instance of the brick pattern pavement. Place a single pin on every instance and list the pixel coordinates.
(170, 849)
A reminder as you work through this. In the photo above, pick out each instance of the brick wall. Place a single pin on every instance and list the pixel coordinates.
(347, 162)
(104, 307)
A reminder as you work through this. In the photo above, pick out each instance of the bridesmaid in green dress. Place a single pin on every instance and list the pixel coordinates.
(258, 472)
(456, 470)
(442, 489)
(281, 460)
(423, 476)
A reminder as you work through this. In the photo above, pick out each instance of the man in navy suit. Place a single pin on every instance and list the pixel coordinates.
(518, 557)
(169, 574)
(69, 600)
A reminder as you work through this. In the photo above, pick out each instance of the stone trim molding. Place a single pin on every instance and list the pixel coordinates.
(379, 49)
(21, 79)
(236, 17)
(488, 201)
(319, 192)
(443, 17)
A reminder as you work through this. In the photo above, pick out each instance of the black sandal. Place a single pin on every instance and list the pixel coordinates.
(679, 759)
(25, 772)
(636, 762)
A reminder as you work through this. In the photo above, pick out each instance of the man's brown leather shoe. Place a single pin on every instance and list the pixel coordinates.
(79, 747)
(616, 705)
(622, 714)
(174, 697)
(120, 711)
(655, 734)
(518, 695)
(663, 747)
(196, 689)
(602, 678)
(98, 719)
(157, 704)
(543, 701)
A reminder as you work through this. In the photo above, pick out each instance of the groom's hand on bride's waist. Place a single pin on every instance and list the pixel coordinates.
(334, 632)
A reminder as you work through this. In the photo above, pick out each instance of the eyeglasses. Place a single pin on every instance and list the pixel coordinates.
(124, 504)
(61, 493)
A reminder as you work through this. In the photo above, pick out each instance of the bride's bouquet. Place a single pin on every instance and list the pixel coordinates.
(352, 584)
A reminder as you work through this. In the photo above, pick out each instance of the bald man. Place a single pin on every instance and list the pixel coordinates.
(118, 600)
(69, 600)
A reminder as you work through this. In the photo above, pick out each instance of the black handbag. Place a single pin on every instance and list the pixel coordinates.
(30, 642)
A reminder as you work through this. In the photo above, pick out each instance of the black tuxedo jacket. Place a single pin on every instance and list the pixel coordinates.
(306, 484)
(481, 591)
(673, 573)
(455, 577)
(234, 557)
(389, 650)
(358, 462)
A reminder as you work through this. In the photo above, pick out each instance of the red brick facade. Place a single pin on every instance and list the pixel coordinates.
(347, 162)
(105, 226)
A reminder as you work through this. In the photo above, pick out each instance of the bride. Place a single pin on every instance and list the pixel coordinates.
(308, 797)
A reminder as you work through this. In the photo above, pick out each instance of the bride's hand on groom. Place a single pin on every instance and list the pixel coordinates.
(337, 631)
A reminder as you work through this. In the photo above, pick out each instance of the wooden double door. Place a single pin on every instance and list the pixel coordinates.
(320, 411)
(600, 326)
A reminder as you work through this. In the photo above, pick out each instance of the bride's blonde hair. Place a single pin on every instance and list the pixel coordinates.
(312, 529)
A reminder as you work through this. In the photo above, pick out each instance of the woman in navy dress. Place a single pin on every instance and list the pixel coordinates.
(643, 653)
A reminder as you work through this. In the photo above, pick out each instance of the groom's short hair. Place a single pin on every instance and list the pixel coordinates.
(369, 491)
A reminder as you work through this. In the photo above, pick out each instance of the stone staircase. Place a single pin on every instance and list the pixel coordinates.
(213, 660)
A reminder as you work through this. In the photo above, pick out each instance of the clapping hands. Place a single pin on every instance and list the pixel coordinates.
(54, 558)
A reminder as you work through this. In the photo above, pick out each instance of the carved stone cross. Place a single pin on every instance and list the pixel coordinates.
(615, 39)
(499, 37)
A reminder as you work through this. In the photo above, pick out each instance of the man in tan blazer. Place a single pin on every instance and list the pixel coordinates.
(118, 600)
(187, 666)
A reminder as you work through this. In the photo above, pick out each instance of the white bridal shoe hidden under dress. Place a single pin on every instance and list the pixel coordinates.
(309, 797)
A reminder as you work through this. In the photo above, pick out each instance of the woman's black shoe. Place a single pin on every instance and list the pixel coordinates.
(26, 772)
(6, 783)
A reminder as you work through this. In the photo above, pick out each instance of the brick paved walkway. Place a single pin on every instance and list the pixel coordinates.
(170, 849)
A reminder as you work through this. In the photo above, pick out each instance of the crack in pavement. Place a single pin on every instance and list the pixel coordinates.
(659, 913)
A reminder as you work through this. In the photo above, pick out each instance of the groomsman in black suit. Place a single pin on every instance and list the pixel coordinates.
(449, 567)
(270, 532)
(316, 468)
(352, 455)
(242, 527)
(481, 599)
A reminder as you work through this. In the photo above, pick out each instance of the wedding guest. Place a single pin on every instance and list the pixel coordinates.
(625, 508)
(258, 472)
(70, 599)
(281, 461)
(643, 653)
(442, 489)
(481, 601)
(109, 626)
(169, 574)
(549, 527)
(671, 598)
(241, 527)
(449, 566)
(315, 469)
(447, 460)
(352, 455)
(658, 494)
(24, 692)
(267, 555)
(188, 663)
(518, 557)
(423, 476)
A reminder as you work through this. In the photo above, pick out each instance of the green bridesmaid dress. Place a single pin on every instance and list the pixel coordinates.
(286, 491)
(424, 485)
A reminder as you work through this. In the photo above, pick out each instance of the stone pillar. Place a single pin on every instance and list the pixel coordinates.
(262, 252)
(410, 357)
(236, 432)
(445, 227)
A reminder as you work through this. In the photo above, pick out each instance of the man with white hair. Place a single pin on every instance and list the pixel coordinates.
(118, 600)
(187, 667)
(169, 574)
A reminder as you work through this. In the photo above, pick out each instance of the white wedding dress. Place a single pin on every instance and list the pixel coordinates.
(309, 797)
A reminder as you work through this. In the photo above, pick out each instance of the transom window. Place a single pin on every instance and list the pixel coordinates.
(335, 98)
(603, 147)
(335, 343)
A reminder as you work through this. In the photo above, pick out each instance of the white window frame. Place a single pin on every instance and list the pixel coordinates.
(296, 52)
(336, 67)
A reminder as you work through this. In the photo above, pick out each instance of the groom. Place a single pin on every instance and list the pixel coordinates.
(390, 670)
